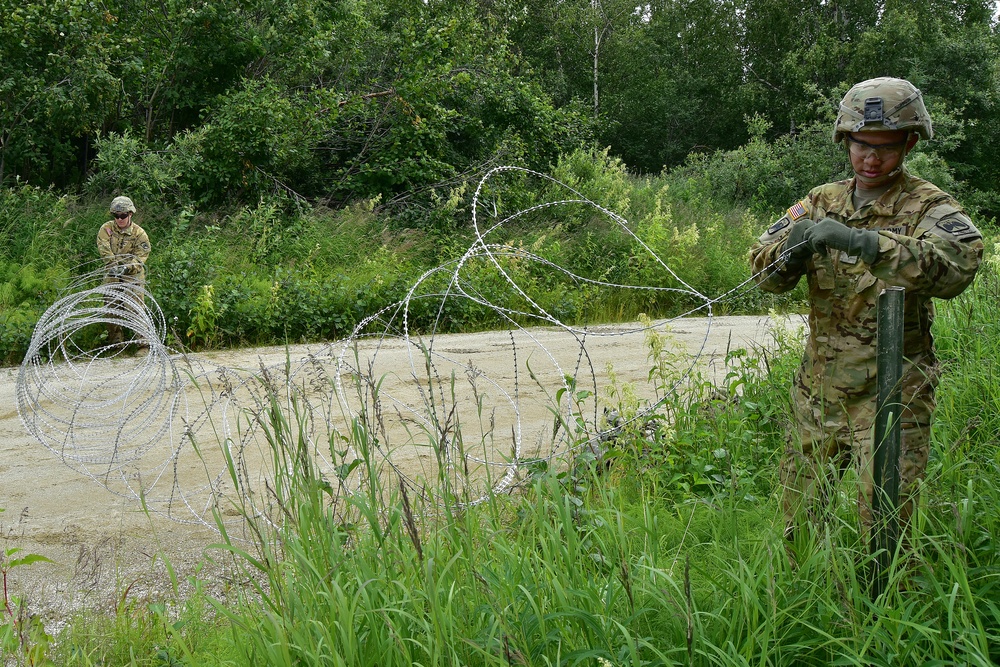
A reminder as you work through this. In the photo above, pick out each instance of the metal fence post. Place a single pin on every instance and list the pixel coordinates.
(887, 437)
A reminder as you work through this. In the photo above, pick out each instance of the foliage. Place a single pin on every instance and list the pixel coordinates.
(56, 84)
(713, 436)
(160, 631)
(674, 83)
(222, 103)
(279, 272)
(676, 556)
(21, 634)
(766, 176)
(966, 337)
(124, 164)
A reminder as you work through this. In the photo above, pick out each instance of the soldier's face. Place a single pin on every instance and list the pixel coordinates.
(875, 155)
(122, 222)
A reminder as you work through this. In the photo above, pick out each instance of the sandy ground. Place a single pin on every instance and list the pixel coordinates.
(104, 547)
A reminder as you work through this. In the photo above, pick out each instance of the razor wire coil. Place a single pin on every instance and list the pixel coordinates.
(183, 434)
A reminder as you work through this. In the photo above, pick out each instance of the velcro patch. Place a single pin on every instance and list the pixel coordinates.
(954, 227)
(797, 212)
(779, 225)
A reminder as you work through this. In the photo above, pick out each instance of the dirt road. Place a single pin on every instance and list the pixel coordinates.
(102, 544)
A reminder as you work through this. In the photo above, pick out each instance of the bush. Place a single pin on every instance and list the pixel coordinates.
(763, 176)
(125, 165)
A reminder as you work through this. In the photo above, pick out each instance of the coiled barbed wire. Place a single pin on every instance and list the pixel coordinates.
(187, 436)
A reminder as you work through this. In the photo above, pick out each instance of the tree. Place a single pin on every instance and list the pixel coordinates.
(677, 84)
(389, 99)
(56, 84)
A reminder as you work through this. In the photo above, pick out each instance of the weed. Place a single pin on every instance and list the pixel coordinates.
(21, 633)
(676, 557)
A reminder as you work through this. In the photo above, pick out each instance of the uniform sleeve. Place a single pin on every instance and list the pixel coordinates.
(767, 266)
(142, 247)
(139, 248)
(104, 246)
(939, 260)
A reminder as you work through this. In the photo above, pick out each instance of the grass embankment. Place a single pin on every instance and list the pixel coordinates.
(674, 555)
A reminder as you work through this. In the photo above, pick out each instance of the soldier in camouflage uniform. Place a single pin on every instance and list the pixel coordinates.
(852, 239)
(124, 247)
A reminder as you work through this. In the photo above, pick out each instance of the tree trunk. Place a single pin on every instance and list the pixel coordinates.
(597, 51)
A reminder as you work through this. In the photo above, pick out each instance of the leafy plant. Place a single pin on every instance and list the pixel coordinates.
(21, 633)
(203, 316)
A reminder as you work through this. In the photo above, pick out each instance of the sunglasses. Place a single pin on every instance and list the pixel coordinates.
(121, 216)
(862, 149)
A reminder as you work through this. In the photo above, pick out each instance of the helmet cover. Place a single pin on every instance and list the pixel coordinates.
(122, 205)
(882, 104)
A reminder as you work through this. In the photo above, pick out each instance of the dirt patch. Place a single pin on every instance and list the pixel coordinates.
(103, 544)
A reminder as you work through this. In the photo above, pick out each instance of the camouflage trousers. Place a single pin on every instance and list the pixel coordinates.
(123, 304)
(816, 458)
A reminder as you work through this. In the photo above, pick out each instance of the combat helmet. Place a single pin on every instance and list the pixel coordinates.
(122, 205)
(882, 104)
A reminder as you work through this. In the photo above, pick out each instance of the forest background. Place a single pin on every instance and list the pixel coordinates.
(298, 164)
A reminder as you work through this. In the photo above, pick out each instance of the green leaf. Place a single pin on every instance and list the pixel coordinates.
(28, 560)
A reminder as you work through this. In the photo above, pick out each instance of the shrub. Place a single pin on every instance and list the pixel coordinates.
(763, 176)
(126, 165)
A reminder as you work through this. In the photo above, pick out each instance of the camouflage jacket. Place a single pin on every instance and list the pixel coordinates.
(928, 246)
(128, 247)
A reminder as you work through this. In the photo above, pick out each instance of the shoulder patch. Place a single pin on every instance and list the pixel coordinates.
(959, 227)
(954, 227)
(948, 221)
(779, 225)
(798, 211)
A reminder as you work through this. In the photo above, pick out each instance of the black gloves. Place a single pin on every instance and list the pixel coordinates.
(117, 270)
(797, 253)
(828, 233)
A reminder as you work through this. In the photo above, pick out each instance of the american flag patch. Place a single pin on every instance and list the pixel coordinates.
(797, 211)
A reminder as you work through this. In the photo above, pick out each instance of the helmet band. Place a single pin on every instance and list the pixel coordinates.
(874, 112)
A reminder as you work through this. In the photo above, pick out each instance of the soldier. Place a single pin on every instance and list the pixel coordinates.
(124, 247)
(852, 239)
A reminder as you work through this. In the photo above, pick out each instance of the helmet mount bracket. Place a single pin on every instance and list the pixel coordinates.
(873, 110)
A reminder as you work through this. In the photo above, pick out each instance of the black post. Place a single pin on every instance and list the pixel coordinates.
(887, 437)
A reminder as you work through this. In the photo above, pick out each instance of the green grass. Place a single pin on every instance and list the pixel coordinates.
(673, 556)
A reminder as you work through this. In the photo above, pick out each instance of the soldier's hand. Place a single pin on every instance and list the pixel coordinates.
(796, 252)
(828, 233)
(116, 271)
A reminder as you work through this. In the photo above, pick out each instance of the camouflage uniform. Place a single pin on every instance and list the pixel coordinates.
(124, 250)
(927, 245)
